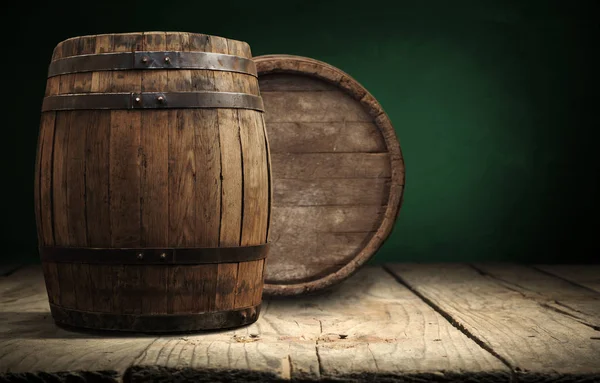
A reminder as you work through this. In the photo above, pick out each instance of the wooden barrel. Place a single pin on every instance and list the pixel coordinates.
(338, 173)
(153, 183)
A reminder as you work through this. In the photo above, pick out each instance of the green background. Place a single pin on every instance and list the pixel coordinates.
(494, 103)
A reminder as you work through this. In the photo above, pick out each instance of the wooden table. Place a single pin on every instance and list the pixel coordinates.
(399, 323)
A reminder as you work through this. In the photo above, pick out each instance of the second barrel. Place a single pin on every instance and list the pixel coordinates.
(153, 183)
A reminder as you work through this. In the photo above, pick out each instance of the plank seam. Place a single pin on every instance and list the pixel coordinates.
(454, 323)
(514, 287)
(321, 372)
(564, 279)
(51, 193)
(243, 185)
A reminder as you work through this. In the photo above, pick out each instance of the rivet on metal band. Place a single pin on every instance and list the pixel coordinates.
(152, 60)
(153, 100)
(153, 256)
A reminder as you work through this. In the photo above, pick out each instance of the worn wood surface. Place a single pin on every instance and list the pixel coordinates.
(152, 178)
(537, 341)
(334, 151)
(369, 328)
(555, 293)
(583, 275)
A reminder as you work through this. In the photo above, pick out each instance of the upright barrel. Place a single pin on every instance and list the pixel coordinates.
(153, 183)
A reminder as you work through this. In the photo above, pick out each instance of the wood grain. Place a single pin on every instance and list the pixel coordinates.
(319, 106)
(325, 137)
(76, 178)
(97, 181)
(124, 176)
(151, 178)
(330, 165)
(208, 178)
(231, 178)
(340, 248)
(102, 81)
(325, 191)
(154, 187)
(549, 291)
(332, 146)
(59, 179)
(583, 275)
(256, 178)
(44, 178)
(182, 174)
(395, 336)
(532, 339)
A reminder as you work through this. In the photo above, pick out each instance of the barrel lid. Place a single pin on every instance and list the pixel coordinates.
(338, 173)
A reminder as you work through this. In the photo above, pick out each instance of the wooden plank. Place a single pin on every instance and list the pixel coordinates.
(45, 181)
(207, 186)
(125, 158)
(125, 80)
(59, 179)
(97, 170)
(223, 81)
(82, 82)
(178, 80)
(231, 177)
(326, 218)
(583, 275)
(201, 79)
(245, 288)
(154, 80)
(104, 280)
(270, 175)
(312, 106)
(292, 83)
(349, 191)
(258, 282)
(76, 177)
(310, 255)
(35, 349)
(243, 83)
(393, 336)
(182, 169)
(325, 137)
(154, 186)
(125, 178)
(102, 81)
(226, 284)
(533, 340)
(547, 290)
(67, 81)
(330, 165)
(256, 178)
(155, 280)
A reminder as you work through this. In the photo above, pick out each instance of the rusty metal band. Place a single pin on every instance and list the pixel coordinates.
(153, 256)
(153, 100)
(152, 60)
(172, 323)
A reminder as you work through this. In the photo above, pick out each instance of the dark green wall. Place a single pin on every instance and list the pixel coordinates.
(494, 103)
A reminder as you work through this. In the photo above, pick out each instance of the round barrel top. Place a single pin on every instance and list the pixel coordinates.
(338, 173)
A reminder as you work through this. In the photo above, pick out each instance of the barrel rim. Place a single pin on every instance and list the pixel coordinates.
(290, 64)
(69, 39)
(155, 323)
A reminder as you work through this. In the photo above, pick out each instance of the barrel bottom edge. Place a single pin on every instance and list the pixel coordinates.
(160, 323)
